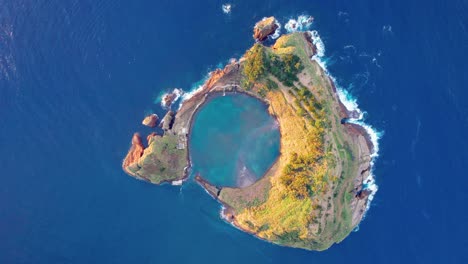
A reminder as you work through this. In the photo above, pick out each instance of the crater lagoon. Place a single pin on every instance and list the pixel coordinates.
(234, 140)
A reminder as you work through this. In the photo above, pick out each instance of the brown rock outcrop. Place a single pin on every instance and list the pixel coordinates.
(217, 74)
(135, 152)
(150, 120)
(169, 98)
(264, 28)
(214, 77)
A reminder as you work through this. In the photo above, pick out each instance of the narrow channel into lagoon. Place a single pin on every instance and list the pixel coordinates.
(233, 140)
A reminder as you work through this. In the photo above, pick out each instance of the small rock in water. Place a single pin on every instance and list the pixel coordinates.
(265, 28)
(150, 120)
(169, 98)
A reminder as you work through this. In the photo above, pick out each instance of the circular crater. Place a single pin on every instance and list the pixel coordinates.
(233, 140)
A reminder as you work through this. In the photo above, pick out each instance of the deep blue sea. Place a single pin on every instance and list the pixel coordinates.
(77, 77)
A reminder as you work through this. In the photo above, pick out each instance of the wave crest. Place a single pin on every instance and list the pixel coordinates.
(302, 23)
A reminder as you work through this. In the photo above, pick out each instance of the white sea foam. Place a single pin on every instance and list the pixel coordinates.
(351, 105)
(178, 93)
(227, 8)
(223, 216)
(348, 101)
(317, 41)
(277, 31)
(190, 94)
(177, 183)
(302, 23)
(196, 88)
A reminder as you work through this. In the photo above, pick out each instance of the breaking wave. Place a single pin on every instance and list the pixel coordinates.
(277, 31)
(351, 105)
(302, 23)
(196, 87)
(177, 92)
(317, 41)
(226, 8)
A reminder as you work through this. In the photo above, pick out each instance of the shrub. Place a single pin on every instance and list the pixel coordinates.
(285, 67)
(271, 85)
(254, 66)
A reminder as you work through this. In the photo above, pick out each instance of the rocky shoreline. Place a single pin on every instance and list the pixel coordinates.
(363, 140)
(359, 204)
(226, 81)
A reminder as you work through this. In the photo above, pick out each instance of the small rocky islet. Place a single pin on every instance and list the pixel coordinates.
(315, 193)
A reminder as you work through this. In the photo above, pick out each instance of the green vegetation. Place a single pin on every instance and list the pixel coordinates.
(162, 160)
(305, 199)
(271, 85)
(297, 177)
(308, 202)
(254, 66)
(285, 67)
(302, 176)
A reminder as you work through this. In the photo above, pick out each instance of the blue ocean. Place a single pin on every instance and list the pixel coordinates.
(77, 77)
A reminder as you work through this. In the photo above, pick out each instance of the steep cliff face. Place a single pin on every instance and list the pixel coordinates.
(134, 154)
(265, 28)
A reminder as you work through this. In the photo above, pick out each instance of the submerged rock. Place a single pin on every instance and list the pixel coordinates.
(150, 120)
(265, 28)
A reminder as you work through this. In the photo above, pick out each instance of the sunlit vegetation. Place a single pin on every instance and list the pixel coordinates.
(271, 85)
(297, 177)
(286, 212)
(264, 88)
(284, 67)
(301, 193)
(254, 65)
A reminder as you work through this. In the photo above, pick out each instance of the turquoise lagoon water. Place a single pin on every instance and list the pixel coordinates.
(233, 140)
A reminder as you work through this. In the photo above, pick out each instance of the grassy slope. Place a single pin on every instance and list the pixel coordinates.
(267, 208)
